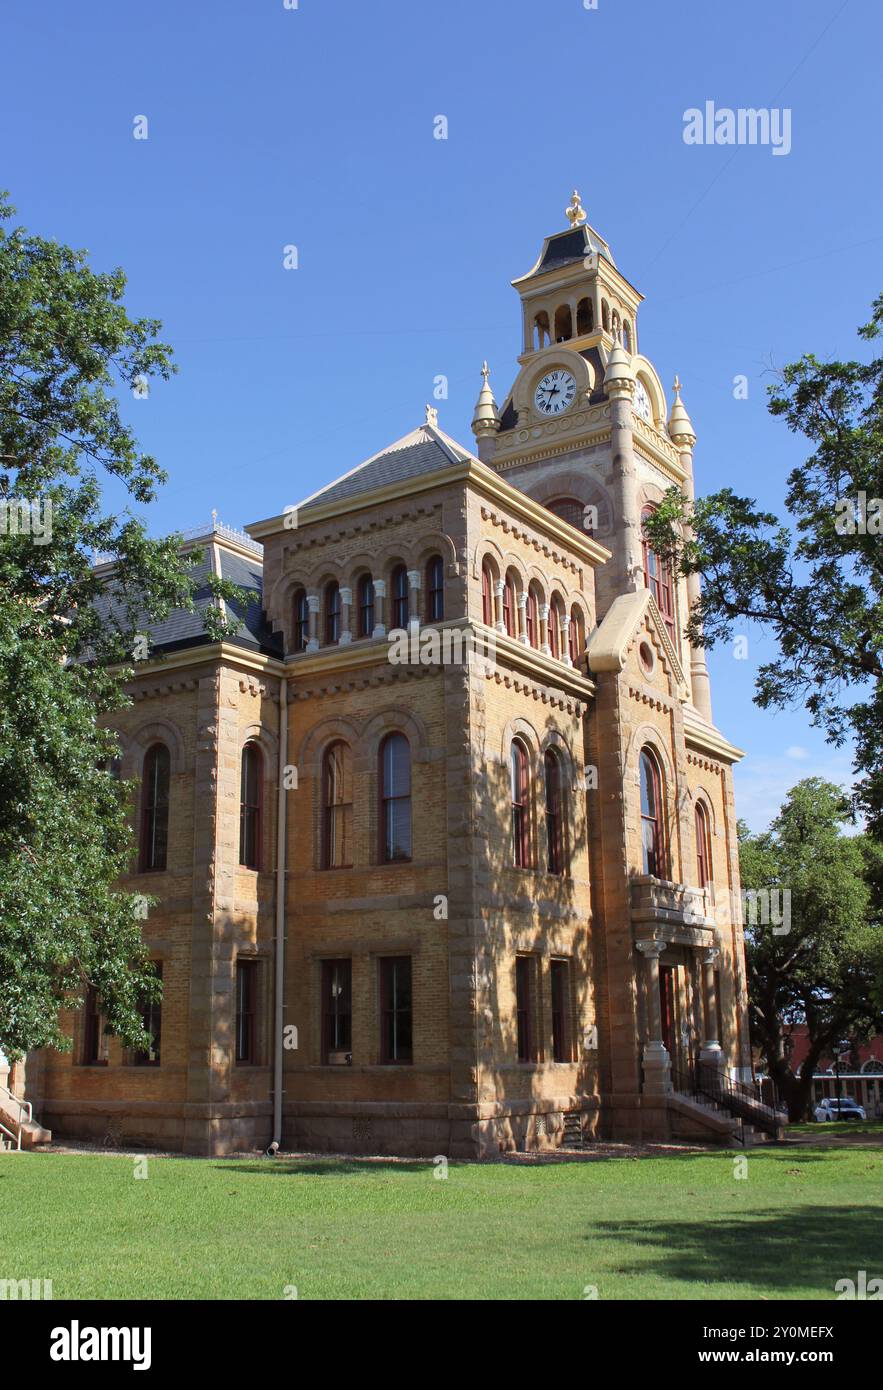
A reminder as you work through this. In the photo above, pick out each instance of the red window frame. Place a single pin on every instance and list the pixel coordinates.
(510, 605)
(336, 811)
(435, 590)
(520, 805)
(395, 801)
(554, 812)
(573, 636)
(703, 846)
(251, 806)
(487, 596)
(532, 619)
(554, 622)
(155, 796)
(657, 578)
(655, 858)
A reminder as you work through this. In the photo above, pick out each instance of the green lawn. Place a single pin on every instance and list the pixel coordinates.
(819, 1129)
(667, 1227)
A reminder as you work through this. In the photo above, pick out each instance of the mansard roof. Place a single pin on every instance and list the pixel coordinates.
(566, 248)
(425, 450)
(232, 555)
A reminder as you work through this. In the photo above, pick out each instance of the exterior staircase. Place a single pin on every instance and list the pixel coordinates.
(706, 1098)
(18, 1128)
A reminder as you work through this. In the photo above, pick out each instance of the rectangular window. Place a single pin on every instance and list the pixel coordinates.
(246, 1012)
(337, 1010)
(562, 1043)
(395, 1010)
(151, 1018)
(525, 968)
(94, 1043)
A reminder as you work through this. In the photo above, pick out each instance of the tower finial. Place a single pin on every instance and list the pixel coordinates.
(576, 214)
(431, 416)
(676, 387)
(485, 370)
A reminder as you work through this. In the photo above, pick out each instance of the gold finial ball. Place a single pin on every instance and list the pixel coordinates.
(576, 214)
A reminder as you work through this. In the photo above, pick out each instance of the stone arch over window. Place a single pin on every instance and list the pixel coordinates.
(654, 836)
(627, 341)
(647, 736)
(576, 633)
(585, 317)
(563, 323)
(572, 487)
(336, 792)
(157, 731)
(155, 801)
(309, 755)
(520, 801)
(365, 601)
(704, 848)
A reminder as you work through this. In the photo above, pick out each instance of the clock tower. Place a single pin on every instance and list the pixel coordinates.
(585, 428)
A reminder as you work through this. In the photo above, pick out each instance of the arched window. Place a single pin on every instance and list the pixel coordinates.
(555, 627)
(510, 605)
(657, 578)
(652, 828)
(569, 510)
(554, 812)
(487, 595)
(520, 807)
(399, 590)
(365, 602)
(585, 317)
(563, 323)
(337, 807)
(155, 809)
(542, 333)
(300, 627)
(332, 612)
(395, 799)
(435, 590)
(532, 618)
(605, 315)
(704, 867)
(250, 806)
(575, 637)
(627, 335)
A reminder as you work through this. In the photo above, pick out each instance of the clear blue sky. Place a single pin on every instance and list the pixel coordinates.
(314, 127)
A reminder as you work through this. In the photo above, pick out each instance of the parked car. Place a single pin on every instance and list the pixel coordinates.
(844, 1109)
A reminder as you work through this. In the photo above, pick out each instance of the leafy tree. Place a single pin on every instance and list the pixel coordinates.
(821, 967)
(815, 584)
(68, 633)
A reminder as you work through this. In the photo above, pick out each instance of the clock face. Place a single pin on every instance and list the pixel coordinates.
(642, 401)
(555, 392)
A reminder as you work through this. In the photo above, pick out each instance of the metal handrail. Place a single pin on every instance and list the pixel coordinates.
(737, 1098)
(22, 1104)
(15, 1137)
(687, 1083)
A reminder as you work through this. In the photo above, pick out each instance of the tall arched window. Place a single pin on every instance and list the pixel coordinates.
(652, 817)
(337, 807)
(365, 604)
(532, 617)
(575, 639)
(657, 578)
(300, 627)
(487, 595)
(399, 590)
(555, 627)
(554, 812)
(435, 590)
(250, 806)
(542, 332)
(704, 867)
(155, 809)
(520, 806)
(332, 612)
(510, 605)
(395, 799)
(627, 335)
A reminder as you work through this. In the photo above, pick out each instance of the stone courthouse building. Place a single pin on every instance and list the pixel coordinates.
(463, 894)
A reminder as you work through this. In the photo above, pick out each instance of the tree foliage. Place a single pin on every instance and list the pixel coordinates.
(823, 970)
(68, 350)
(815, 580)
